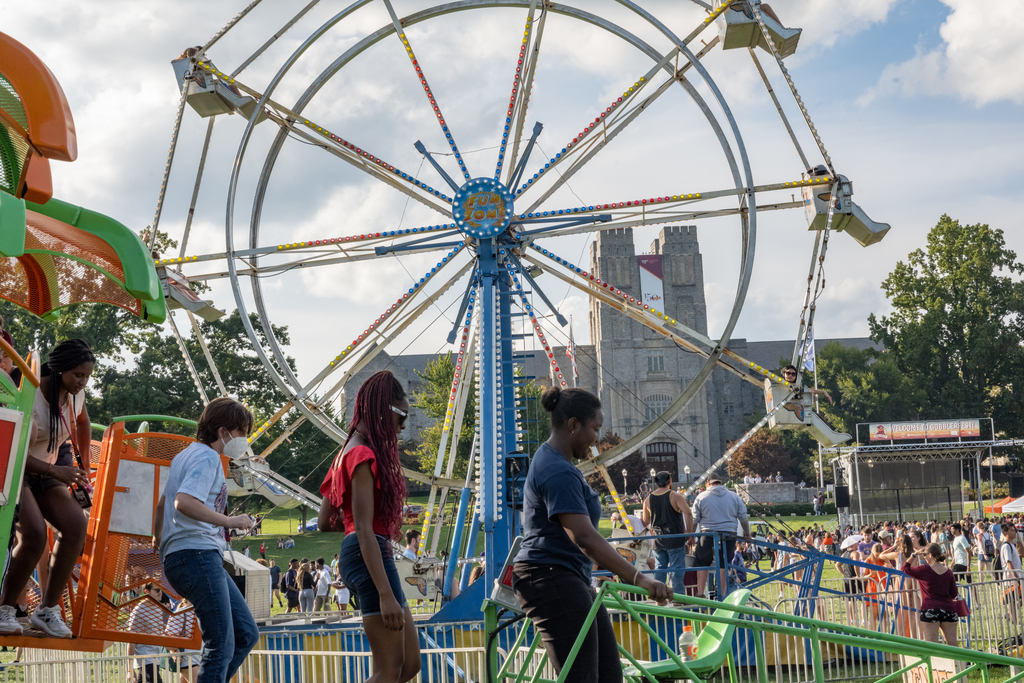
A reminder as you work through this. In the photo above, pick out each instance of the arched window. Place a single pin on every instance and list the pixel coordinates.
(655, 405)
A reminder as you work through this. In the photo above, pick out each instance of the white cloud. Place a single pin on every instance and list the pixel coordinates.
(826, 21)
(976, 62)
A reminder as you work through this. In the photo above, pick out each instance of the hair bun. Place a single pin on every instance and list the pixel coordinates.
(549, 399)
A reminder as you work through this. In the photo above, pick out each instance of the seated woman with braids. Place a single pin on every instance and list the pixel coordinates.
(363, 495)
(59, 413)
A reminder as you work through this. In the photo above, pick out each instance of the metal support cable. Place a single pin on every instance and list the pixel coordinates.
(228, 26)
(273, 38)
(736, 446)
(778, 108)
(170, 160)
(756, 9)
(819, 283)
(206, 352)
(195, 191)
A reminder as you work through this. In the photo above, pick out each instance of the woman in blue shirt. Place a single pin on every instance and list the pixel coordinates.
(551, 576)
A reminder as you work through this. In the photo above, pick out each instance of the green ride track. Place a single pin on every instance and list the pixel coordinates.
(720, 621)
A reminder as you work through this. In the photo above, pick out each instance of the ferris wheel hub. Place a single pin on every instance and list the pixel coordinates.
(482, 208)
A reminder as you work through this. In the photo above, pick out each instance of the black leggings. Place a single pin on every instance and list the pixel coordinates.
(558, 600)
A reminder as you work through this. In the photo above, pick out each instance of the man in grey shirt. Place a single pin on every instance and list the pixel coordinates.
(718, 509)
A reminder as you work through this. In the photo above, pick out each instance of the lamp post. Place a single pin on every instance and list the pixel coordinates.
(653, 475)
(686, 471)
(817, 472)
(623, 481)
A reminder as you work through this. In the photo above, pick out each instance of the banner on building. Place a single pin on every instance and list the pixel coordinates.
(930, 429)
(652, 287)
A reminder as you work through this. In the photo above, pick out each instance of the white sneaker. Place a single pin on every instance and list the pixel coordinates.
(49, 620)
(9, 621)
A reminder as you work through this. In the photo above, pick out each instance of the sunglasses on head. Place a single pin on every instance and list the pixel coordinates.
(401, 414)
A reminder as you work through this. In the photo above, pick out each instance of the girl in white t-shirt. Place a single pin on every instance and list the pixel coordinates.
(59, 413)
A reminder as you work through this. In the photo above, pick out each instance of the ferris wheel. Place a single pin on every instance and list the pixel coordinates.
(497, 214)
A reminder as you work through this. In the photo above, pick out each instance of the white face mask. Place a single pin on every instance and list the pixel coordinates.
(236, 447)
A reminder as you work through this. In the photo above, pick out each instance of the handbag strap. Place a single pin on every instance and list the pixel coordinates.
(71, 433)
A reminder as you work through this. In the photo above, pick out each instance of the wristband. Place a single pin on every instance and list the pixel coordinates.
(636, 575)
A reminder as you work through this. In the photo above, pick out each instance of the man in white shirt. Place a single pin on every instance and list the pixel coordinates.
(323, 586)
(1008, 552)
(961, 554)
(746, 478)
(412, 542)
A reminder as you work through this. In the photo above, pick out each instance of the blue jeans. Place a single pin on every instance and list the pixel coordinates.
(229, 631)
(671, 559)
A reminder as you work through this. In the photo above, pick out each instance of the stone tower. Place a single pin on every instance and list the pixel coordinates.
(640, 372)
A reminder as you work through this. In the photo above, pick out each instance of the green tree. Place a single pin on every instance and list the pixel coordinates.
(957, 324)
(867, 386)
(637, 470)
(764, 453)
(433, 402)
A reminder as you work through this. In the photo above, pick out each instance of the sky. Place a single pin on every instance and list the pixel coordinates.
(918, 102)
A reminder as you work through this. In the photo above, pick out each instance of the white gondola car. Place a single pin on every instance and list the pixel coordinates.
(421, 580)
(798, 413)
(635, 549)
(848, 217)
(210, 96)
(737, 28)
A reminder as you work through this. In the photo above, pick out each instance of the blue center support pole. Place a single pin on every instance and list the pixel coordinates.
(508, 519)
(492, 324)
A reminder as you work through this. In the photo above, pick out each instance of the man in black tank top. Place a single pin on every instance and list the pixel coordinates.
(666, 512)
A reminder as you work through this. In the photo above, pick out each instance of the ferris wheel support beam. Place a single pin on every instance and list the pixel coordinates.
(379, 346)
(372, 169)
(376, 330)
(460, 390)
(540, 292)
(206, 352)
(517, 174)
(597, 145)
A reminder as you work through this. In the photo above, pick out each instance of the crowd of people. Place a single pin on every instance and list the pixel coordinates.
(310, 586)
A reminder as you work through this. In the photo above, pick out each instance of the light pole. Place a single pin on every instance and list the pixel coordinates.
(817, 473)
(686, 471)
(653, 475)
(623, 481)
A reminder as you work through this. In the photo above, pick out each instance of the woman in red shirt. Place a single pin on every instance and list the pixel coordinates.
(938, 594)
(363, 494)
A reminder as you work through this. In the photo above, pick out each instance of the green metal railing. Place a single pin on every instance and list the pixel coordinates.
(735, 615)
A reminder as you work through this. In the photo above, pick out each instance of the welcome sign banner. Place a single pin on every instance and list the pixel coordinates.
(925, 429)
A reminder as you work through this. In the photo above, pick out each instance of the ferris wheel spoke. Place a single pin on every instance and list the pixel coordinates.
(643, 211)
(311, 260)
(321, 137)
(375, 331)
(395, 327)
(400, 31)
(370, 164)
(522, 86)
(662, 323)
(604, 125)
(590, 148)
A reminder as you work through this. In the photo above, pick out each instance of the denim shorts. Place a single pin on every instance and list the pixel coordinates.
(356, 576)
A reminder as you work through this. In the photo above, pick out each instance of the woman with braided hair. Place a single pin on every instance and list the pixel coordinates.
(59, 413)
(363, 494)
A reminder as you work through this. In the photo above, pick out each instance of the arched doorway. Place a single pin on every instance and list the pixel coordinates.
(663, 455)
